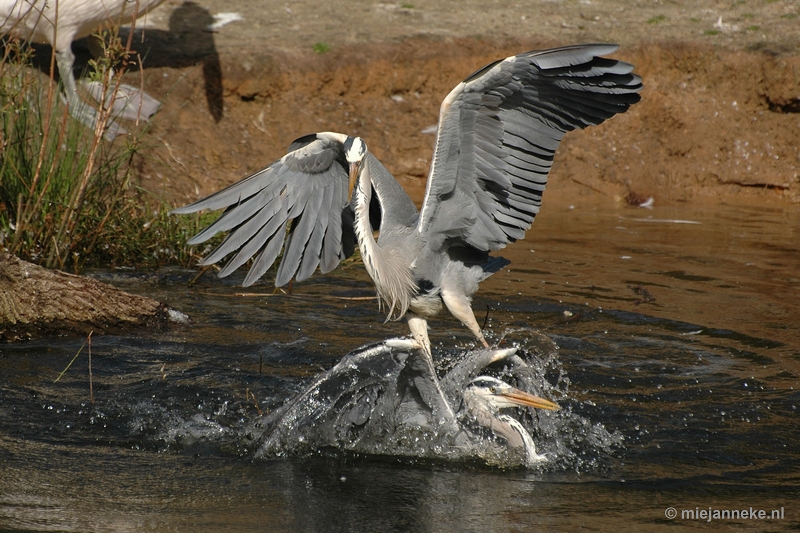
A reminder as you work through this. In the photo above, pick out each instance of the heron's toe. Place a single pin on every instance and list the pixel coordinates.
(403, 343)
(503, 353)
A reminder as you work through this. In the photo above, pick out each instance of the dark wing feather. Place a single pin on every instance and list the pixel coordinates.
(364, 404)
(307, 191)
(498, 133)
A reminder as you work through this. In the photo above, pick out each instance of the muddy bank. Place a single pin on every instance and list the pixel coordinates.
(714, 124)
(719, 120)
(36, 302)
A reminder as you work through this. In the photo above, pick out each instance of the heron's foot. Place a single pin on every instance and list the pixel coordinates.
(403, 343)
(419, 332)
(88, 116)
(500, 354)
(422, 346)
(127, 102)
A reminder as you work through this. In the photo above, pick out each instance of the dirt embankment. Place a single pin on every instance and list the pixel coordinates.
(714, 124)
(719, 119)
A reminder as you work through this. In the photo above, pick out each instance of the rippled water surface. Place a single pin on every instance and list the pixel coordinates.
(678, 333)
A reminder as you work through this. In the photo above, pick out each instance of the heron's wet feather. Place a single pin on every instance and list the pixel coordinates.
(385, 399)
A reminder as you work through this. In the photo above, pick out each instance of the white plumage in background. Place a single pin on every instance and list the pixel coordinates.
(58, 23)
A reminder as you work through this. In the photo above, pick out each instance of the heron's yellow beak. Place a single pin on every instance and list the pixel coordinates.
(355, 168)
(529, 400)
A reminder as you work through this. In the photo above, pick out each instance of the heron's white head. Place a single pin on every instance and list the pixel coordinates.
(355, 149)
(485, 396)
(488, 392)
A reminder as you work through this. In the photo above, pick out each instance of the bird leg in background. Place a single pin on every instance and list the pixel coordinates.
(80, 110)
(65, 60)
(459, 306)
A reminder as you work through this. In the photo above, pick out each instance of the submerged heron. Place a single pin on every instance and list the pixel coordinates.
(485, 396)
(58, 23)
(385, 399)
(497, 136)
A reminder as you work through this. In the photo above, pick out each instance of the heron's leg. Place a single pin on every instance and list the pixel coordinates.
(65, 60)
(426, 381)
(80, 110)
(459, 306)
(430, 391)
(419, 330)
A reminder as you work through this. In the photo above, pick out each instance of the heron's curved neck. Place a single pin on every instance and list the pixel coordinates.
(517, 437)
(363, 227)
(504, 425)
(390, 273)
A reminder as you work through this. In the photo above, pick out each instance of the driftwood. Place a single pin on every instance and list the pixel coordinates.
(35, 302)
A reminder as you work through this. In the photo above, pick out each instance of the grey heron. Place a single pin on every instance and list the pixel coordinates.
(385, 399)
(58, 23)
(497, 136)
(485, 396)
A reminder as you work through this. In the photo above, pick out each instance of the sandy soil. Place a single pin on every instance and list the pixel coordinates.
(718, 121)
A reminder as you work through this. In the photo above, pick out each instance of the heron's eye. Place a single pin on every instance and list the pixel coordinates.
(492, 389)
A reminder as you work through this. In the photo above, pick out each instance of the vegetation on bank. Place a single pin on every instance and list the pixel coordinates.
(68, 197)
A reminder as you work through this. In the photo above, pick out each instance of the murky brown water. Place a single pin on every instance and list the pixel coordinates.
(734, 268)
(679, 334)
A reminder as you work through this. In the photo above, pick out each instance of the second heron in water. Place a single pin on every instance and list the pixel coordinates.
(385, 399)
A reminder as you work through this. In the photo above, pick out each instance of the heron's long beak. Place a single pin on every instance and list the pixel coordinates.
(355, 168)
(524, 399)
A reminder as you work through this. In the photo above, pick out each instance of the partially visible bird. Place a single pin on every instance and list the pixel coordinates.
(498, 133)
(485, 396)
(58, 23)
(385, 399)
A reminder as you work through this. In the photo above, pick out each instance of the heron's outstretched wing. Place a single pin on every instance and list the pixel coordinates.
(498, 133)
(307, 190)
(360, 404)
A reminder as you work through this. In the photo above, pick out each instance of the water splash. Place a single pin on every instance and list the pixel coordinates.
(374, 402)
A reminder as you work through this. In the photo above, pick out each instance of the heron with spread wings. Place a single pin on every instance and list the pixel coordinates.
(498, 133)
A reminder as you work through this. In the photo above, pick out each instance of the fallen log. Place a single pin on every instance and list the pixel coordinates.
(36, 302)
